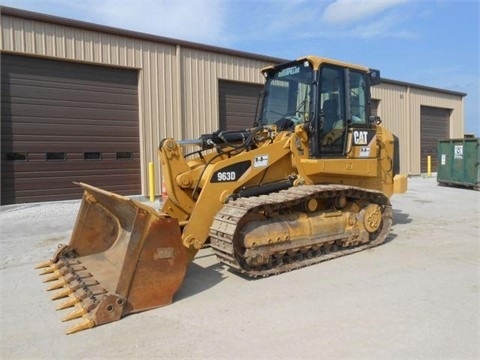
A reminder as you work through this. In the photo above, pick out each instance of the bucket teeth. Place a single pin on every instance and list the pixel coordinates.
(69, 278)
(71, 287)
(57, 274)
(48, 270)
(62, 293)
(134, 251)
(54, 276)
(69, 303)
(44, 264)
(85, 324)
(57, 266)
(79, 312)
(82, 309)
(82, 293)
(57, 285)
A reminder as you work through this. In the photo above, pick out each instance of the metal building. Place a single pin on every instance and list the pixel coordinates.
(84, 102)
(419, 116)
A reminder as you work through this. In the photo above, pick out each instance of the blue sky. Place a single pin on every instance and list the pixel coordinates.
(428, 42)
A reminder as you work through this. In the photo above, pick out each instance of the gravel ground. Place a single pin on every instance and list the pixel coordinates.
(416, 296)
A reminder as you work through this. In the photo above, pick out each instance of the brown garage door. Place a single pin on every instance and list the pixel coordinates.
(434, 126)
(238, 102)
(65, 122)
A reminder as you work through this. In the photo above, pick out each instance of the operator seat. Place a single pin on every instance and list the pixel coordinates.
(330, 114)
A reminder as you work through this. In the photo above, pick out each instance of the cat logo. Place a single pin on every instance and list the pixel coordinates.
(360, 137)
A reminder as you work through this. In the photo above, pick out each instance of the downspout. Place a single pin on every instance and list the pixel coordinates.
(410, 137)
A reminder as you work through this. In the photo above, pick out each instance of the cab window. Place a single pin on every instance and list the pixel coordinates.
(358, 97)
(332, 110)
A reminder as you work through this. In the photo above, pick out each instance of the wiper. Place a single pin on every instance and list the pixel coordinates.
(294, 116)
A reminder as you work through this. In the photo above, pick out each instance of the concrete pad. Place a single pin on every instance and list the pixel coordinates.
(416, 296)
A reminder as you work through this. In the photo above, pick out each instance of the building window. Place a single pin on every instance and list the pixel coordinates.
(53, 156)
(92, 155)
(124, 155)
(16, 156)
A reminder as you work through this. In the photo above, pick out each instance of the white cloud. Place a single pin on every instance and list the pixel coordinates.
(313, 19)
(384, 27)
(344, 12)
(186, 20)
(193, 20)
(227, 22)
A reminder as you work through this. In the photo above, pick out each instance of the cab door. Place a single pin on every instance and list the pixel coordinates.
(332, 112)
(344, 101)
(361, 132)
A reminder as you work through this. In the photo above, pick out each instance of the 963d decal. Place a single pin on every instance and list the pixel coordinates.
(230, 173)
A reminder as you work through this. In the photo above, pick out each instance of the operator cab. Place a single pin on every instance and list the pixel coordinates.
(328, 97)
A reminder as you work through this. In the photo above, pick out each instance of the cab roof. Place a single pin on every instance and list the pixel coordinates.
(317, 61)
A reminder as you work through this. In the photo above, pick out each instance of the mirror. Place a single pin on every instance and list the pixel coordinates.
(374, 76)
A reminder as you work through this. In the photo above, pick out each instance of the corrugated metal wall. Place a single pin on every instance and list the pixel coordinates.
(201, 71)
(178, 86)
(399, 108)
(393, 109)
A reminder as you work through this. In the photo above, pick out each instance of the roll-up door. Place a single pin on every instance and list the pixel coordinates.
(63, 122)
(238, 103)
(434, 126)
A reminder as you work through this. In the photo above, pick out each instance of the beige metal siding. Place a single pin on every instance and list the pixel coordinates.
(399, 109)
(156, 62)
(178, 82)
(421, 97)
(441, 100)
(178, 86)
(393, 110)
(201, 72)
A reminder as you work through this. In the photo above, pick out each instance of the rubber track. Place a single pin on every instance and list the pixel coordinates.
(224, 226)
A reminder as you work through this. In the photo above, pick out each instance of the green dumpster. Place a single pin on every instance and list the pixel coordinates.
(459, 162)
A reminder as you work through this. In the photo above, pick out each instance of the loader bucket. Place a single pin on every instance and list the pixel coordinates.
(123, 257)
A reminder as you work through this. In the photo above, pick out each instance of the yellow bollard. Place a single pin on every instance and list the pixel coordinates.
(429, 166)
(151, 182)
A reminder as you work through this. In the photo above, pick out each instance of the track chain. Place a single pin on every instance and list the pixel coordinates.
(234, 215)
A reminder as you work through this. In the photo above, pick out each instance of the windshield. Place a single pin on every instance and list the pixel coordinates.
(287, 94)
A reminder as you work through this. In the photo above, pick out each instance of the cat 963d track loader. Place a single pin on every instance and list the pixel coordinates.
(309, 181)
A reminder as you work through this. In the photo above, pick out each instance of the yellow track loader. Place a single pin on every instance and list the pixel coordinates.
(308, 182)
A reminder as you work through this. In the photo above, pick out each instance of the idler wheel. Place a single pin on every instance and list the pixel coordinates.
(372, 218)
